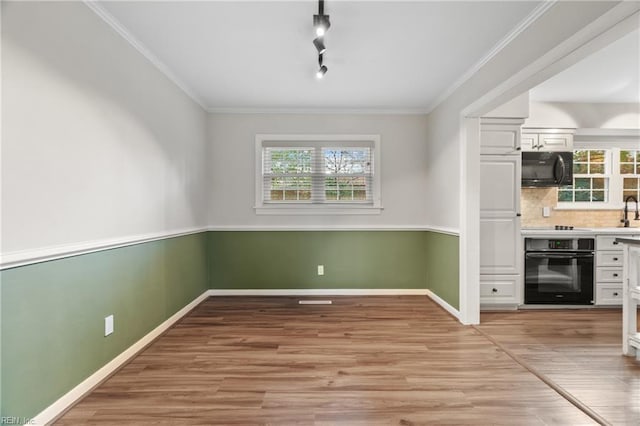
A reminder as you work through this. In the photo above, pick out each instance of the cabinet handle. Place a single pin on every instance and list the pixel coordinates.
(518, 214)
(615, 258)
(615, 275)
(615, 294)
(518, 148)
(615, 243)
(494, 290)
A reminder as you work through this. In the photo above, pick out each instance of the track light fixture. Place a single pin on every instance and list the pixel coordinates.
(321, 23)
(323, 69)
(319, 44)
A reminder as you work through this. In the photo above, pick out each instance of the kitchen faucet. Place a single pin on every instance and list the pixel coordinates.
(626, 210)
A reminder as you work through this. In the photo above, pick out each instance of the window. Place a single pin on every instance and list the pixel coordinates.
(298, 174)
(602, 178)
(590, 177)
(630, 171)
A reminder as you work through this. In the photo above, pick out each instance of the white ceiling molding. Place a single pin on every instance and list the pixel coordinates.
(144, 51)
(355, 111)
(530, 19)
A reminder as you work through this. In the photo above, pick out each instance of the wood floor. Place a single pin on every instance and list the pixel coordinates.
(361, 361)
(580, 351)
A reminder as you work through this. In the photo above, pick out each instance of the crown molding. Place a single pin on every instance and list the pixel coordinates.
(521, 27)
(355, 111)
(142, 49)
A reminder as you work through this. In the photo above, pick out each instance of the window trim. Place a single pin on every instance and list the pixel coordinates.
(615, 178)
(342, 208)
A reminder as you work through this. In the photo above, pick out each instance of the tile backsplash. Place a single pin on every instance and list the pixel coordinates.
(534, 199)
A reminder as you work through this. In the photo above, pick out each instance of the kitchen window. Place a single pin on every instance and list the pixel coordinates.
(630, 171)
(591, 175)
(317, 174)
(602, 178)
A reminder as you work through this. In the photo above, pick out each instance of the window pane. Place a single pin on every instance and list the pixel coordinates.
(597, 196)
(630, 183)
(625, 194)
(626, 169)
(277, 195)
(582, 183)
(582, 195)
(289, 160)
(626, 156)
(581, 155)
(596, 169)
(566, 196)
(347, 160)
(580, 168)
(598, 183)
(596, 156)
(638, 169)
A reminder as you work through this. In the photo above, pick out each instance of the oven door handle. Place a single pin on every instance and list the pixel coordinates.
(558, 256)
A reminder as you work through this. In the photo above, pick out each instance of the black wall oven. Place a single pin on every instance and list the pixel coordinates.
(559, 271)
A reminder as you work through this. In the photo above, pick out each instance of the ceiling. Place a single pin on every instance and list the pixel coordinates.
(611, 74)
(381, 55)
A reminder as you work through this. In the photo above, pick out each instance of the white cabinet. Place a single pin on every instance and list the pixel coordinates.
(500, 136)
(500, 243)
(547, 140)
(631, 299)
(609, 270)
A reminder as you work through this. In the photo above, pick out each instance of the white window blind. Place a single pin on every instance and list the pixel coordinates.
(317, 173)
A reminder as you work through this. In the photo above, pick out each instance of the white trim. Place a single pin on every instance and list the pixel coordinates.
(354, 111)
(504, 42)
(321, 292)
(144, 51)
(444, 304)
(52, 412)
(27, 257)
(315, 209)
(438, 229)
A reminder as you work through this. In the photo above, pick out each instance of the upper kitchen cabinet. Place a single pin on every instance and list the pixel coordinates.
(500, 135)
(547, 139)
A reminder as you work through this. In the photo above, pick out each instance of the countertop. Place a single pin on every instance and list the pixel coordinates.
(550, 232)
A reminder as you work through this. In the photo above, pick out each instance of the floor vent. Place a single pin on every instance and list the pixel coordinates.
(315, 302)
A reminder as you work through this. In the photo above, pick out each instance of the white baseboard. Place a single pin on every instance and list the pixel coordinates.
(320, 292)
(446, 306)
(51, 413)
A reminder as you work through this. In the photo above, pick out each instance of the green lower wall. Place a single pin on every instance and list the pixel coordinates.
(351, 259)
(442, 260)
(53, 313)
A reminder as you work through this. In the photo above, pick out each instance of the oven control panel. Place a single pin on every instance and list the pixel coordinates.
(560, 244)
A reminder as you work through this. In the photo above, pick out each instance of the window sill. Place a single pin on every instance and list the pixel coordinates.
(588, 206)
(317, 209)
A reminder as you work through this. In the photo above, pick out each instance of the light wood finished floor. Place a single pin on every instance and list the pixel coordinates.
(360, 361)
(579, 350)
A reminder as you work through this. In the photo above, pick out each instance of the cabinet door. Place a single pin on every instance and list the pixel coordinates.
(556, 142)
(500, 185)
(499, 138)
(529, 142)
(500, 246)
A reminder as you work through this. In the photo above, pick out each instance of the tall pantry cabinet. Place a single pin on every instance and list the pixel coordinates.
(501, 251)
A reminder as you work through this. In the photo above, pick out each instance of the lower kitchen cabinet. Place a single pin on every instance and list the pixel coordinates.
(609, 258)
(499, 289)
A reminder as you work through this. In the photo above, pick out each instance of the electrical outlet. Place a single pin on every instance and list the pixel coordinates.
(320, 269)
(546, 212)
(108, 325)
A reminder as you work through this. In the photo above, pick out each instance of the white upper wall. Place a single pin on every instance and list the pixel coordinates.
(231, 186)
(97, 144)
(584, 115)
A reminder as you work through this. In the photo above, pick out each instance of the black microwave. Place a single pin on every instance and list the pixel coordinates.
(543, 168)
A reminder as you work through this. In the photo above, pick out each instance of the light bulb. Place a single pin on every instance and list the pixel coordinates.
(320, 31)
